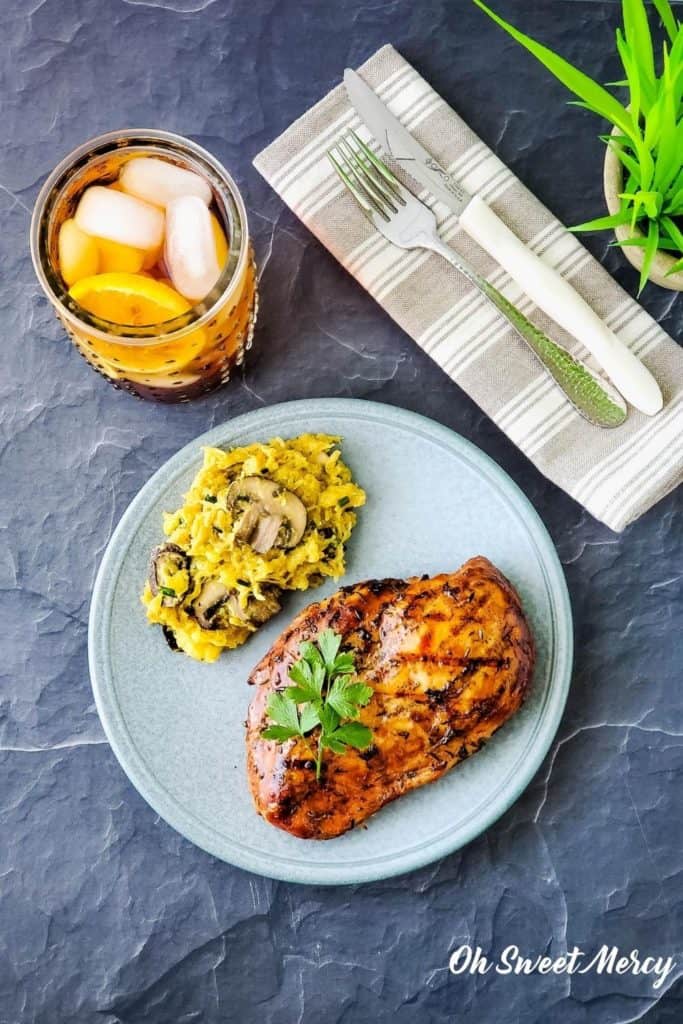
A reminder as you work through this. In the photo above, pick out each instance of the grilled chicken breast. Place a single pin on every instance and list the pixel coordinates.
(450, 659)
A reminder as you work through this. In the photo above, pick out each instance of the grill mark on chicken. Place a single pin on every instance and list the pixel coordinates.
(450, 659)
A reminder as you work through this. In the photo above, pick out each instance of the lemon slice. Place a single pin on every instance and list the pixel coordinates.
(131, 300)
(78, 253)
(219, 240)
(135, 300)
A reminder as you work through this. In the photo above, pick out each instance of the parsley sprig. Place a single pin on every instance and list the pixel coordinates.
(325, 696)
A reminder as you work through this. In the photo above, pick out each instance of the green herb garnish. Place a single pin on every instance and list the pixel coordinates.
(325, 697)
(168, 591)
(343, 502)
(211, 497)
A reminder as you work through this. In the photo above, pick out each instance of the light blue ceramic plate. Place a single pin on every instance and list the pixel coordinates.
(176, 725)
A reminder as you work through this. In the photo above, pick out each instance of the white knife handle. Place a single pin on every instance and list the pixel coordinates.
(556, 297)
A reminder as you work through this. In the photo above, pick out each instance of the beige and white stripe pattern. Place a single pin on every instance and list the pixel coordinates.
(616, 474)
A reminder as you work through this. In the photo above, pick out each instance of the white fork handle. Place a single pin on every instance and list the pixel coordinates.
(556, 297)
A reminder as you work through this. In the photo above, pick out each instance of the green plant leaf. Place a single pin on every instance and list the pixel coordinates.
(676, 59)
(329, 719)
(653, 124)
(631, 183)
(664, 11)
(588, 91)
(278, 733)
(310, 717)
(632, 79)
(609, 139)
(300, 672)
(646, 167)
(360, 693)
(309, 678)
(649, 253)
(346, 697)
(302, 694)
(580, 103)
(282, 710)
(664, 243)
(674, 270)
(613, 220)
(673, 231)
(667, 160)
(627, 160)
(310, 653)
(339, 698)
(640, 242)
(355, 734)
(642, 203)
(639, 39)
(344, 663)
(665, 139)
(332, 742)
(675, 190)
(329, 643)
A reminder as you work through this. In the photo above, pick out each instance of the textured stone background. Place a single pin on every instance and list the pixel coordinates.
(106, 915)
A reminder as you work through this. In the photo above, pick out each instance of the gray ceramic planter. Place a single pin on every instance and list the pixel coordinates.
(614, 184)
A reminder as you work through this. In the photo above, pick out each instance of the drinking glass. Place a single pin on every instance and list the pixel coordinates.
(178, 359)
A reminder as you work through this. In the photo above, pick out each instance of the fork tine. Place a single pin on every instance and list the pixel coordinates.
(376, 190)
(380, 197)
(370, 201)
(380, 166)
(380, 183)
(359, 196)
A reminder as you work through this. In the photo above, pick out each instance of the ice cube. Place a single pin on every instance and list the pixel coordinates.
(190, 249)
(105, 213)
(159, 182)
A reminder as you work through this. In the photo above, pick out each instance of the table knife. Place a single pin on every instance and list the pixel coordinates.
(543, 285)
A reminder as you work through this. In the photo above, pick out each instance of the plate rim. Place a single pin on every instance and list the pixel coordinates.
(155, 794)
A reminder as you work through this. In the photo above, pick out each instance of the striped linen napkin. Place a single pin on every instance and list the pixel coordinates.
(616, 474)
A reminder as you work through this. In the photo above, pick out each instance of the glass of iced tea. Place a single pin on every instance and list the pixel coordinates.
(140, 242)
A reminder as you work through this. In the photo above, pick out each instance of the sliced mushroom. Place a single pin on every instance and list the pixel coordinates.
(265, 535)
(249, 520)
(214, 606)
(166, 561)
(270, 515)
(169, 637)
(208, 603)
(257, 610)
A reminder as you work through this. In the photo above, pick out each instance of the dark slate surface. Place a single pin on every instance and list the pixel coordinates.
(107, 915)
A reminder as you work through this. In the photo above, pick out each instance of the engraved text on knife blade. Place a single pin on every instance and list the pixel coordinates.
(447, 181)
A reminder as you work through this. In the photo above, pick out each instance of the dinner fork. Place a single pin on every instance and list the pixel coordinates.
(406, 222)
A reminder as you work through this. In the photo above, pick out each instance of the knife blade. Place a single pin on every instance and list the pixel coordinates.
(400, 145)
(539, 280)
